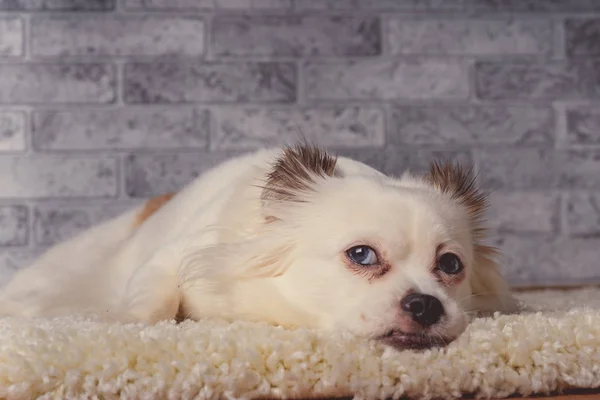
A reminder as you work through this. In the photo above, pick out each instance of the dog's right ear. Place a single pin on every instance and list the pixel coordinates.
(296, 172)
(461, 184)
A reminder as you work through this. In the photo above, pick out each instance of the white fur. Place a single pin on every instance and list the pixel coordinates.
(216, 250)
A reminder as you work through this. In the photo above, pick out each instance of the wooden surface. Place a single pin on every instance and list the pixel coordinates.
(572, 397)
(579, 395)
(563, 397)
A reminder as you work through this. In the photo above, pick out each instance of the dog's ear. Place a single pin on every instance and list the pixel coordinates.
(295, 173)
(490, 291)
(461, 184)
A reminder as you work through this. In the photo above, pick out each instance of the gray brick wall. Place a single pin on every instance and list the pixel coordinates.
(106, 102)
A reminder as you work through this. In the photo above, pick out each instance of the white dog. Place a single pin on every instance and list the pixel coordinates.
(291, 236)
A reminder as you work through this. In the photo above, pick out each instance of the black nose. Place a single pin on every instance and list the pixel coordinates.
(424, 309)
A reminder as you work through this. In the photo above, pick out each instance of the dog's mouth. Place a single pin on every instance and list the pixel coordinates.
(412, 341)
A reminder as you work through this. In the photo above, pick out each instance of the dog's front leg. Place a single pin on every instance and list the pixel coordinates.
(153, 292)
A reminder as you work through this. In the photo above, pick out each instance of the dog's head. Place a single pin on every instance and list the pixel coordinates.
(397, 260)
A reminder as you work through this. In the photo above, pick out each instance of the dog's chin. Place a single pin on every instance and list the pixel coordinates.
(412, 341)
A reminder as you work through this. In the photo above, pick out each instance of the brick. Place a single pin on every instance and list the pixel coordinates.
(583, 214)
(534, 5)
(520, 168)
(57, 5)
(252, 127)
(57, 83)
(469, 37)
(547, 260)
(296, 35)
(400, 159)
(523, 212)
(206, 4)
(14, 225)
(155, 174)
(548, 80)
(387, 80)
(11, 37)
(121, 128)
(583, 125)
(578, 169)
(471, 124)
(582, 36)
(12, 131)
(117, 35)
(392, 5)
(40, 176)
(53, 223)
(253, 4)
(169, 4)
(530, 168)
(188, 82)
(52, 226)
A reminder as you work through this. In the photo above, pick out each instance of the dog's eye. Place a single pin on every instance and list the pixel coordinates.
(362, 255)
(450, 264)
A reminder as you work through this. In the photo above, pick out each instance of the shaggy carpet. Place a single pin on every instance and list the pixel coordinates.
(553, 347)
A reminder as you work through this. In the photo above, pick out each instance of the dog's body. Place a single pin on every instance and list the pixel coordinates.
(268, 236)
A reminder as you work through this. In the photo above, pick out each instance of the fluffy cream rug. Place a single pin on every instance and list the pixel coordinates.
(535, 352)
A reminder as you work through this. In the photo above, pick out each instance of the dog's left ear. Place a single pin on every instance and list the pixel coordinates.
(296, 173)
(490, 290)
(291, 179)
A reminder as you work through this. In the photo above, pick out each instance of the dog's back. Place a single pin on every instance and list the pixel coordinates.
(90, 271)
(68, 273)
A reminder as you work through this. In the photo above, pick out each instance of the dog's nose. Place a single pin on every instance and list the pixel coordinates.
(424, 309)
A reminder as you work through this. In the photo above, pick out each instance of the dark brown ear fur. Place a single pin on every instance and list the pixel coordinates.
(295, 171)
(461, 185)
